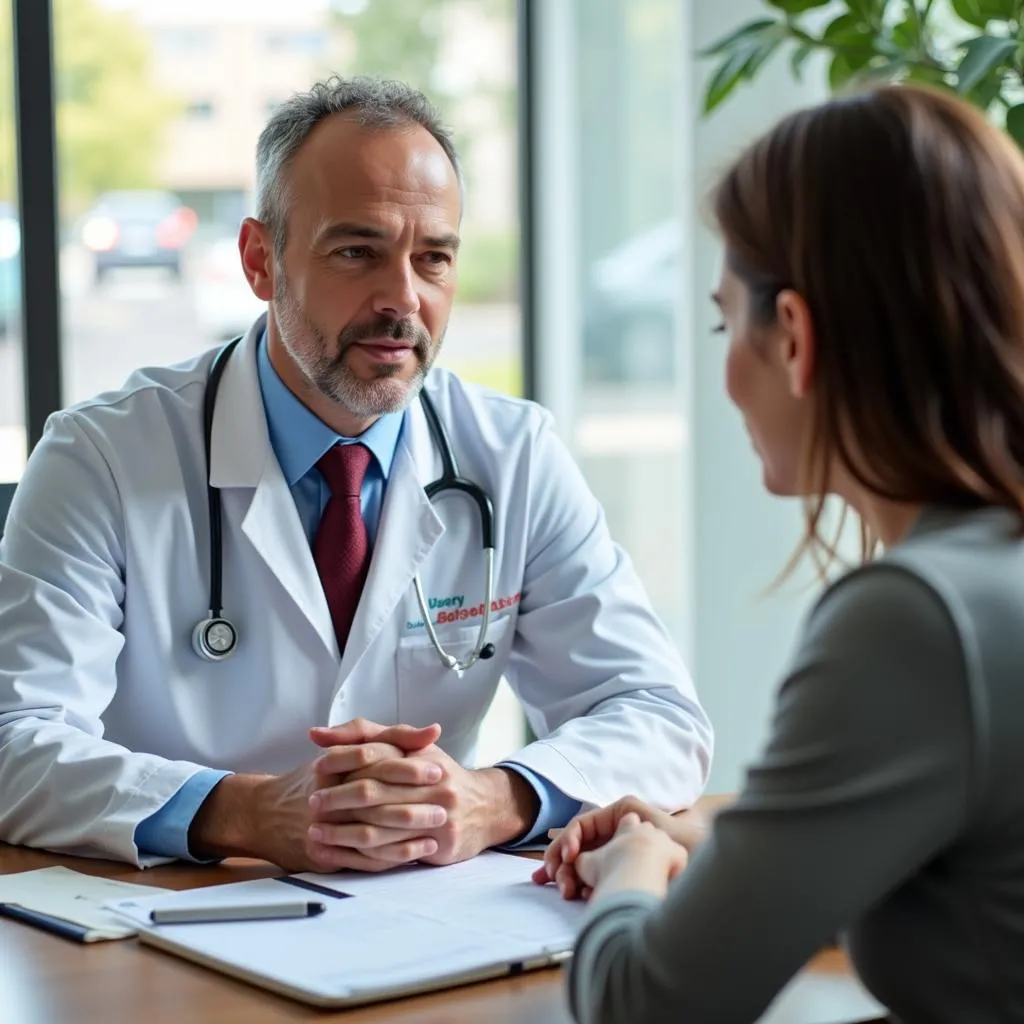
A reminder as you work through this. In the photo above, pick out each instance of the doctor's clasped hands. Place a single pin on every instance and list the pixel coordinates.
(271, 816)
(377, 797)
(408, 789)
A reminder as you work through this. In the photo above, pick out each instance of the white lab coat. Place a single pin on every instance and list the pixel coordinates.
(105, 709)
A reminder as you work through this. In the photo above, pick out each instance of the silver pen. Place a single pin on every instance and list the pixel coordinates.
(236, 912)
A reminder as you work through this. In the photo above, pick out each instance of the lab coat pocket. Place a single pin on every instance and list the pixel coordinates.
(429, 691)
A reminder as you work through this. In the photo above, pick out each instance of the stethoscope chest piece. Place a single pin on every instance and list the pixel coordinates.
(214, 639)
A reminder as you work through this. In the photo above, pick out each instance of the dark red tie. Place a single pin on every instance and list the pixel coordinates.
(341, 548)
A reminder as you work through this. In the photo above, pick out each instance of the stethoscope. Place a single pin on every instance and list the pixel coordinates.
(216, 638)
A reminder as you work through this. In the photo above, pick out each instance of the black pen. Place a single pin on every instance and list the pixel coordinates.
(235, 912)
(47, 922)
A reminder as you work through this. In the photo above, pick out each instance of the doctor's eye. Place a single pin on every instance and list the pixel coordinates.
(718, 329)
(352, 252)
(439, 259)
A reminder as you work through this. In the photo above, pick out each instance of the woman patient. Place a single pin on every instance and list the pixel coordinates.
(873, 300)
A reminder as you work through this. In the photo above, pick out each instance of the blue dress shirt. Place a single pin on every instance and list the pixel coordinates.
(299, 438)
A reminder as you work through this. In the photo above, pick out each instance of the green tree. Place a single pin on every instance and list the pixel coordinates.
(110, 115)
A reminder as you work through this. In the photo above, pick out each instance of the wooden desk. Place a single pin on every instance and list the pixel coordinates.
(45, 979)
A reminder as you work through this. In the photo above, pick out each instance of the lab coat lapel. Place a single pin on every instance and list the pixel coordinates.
(408, 530)
(272, 524)
(241, 457)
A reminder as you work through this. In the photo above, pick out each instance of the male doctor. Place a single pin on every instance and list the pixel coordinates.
(333, 736)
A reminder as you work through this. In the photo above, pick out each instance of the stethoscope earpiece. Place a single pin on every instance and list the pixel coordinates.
(487, 653)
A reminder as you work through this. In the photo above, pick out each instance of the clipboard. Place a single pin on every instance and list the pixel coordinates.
(416, 930)
(68, 903)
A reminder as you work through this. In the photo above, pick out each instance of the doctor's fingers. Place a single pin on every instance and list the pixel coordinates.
(362, 730)
(325, 857)
(354, 796)
(419, 818)
(344, 760)
(409, 771)
(359, 836)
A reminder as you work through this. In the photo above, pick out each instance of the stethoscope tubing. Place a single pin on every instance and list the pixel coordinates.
(216, 624)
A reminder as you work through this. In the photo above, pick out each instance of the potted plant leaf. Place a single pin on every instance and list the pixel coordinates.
(972, 47)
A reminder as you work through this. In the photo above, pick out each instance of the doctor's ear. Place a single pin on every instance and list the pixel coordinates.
(797, 340)
(256, 248)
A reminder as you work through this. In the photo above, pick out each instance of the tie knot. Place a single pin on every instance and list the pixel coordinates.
(343, 466)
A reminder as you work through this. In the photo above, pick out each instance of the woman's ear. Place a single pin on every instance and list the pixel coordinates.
(797, 341)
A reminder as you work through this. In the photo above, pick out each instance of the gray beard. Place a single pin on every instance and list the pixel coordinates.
(333, 377)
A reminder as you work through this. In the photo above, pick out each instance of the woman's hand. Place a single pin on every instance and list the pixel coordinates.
(591, 830)
(639, 856)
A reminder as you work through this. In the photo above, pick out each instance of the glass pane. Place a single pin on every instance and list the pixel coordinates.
(156, 162)
(12, 414)
(630, 432)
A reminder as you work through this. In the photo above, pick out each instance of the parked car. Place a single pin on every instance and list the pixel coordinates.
(630, 307)
(224, 302)
(142, 228)
(10, 269)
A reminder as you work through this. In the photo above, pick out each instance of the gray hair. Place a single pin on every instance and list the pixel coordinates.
(372, 102)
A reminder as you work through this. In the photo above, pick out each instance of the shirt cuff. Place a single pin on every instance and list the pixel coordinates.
(165, 832)
(556, 809)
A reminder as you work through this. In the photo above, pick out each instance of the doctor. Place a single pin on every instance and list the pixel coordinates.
(333, 735)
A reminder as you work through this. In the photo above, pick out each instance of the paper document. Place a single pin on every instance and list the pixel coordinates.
(75, 897)
(493, 892)
(381, 934)
(821, 998)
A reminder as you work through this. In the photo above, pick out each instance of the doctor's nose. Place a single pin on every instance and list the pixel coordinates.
(396, 295)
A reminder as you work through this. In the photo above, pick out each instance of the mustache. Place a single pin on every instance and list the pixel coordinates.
(386, 327)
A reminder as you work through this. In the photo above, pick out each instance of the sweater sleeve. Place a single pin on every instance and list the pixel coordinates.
(864, 779)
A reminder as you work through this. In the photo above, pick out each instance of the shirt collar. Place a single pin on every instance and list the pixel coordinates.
(299, 437)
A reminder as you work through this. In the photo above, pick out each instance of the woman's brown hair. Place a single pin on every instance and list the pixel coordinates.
(898, 215)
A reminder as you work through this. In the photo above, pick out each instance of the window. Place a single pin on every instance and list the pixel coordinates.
(12, 415)
(140, 130)
(610, 272)
(631, 426)
(307, 44)
(179, 41)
